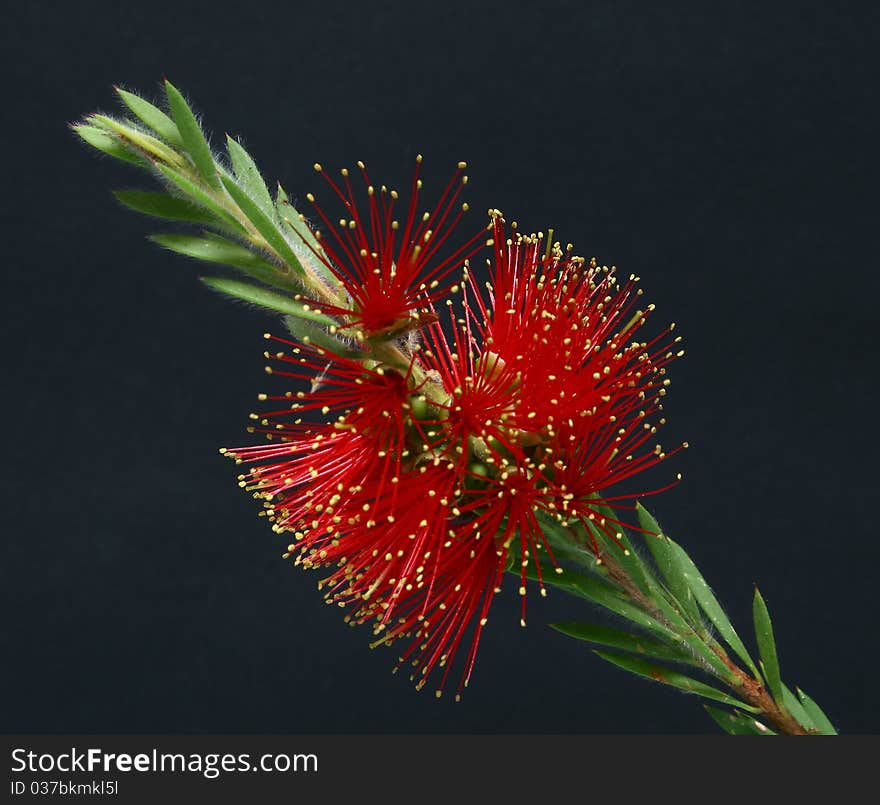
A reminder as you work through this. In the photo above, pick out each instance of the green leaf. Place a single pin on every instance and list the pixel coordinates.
(201, 198)
(709, 603)
(214, 249)
(619, 546)
(767, 648)
(264, 225)
(737, 723)
(605, 595)
(675, 629)
(291, 216)
(161, 205)
(265, 298)
(822, 722)
(108, 144)
(615, 638)
(248, 175)
(794, 706)
(308, 333)
(564, 545)
(301, 233)
(191, 133)
(150, 146)
(667, 676)
(661, 550)
(698, 646)
(154, 117)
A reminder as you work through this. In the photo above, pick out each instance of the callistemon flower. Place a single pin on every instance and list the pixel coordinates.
(586, 389)
(389, 269)
(429, 477)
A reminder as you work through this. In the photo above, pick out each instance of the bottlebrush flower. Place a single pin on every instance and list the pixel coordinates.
(387, 270)
(426, 482)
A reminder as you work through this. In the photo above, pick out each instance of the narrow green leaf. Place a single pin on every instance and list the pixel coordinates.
(709, 603)
(675, 629)
(264, 225)
(214, 249)
(767, 648)
(667, 676)
(300, 233)
(818, 717)
(700, 649)
(661, 551)
(594, 587)
(291, 216)
(619, 546)
(248, 175)
(564, 546)
(154, 117)
(191, 133)
(200, 197)
(153, 148)
(161, 205)
(737, 723)
(265, 298)
(794, 706)
(615, 638)
(309, 333)
(605, 595)
(108, 144)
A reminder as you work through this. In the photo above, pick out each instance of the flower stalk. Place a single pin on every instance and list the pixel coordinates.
(430, 456)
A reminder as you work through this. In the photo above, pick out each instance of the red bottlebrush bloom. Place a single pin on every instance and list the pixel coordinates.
(389, 270)
(431, 481)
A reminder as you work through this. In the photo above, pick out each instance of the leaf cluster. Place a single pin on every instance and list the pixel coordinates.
(674, 630)
(265, 241)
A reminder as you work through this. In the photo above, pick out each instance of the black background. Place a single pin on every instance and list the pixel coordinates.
(724, 152)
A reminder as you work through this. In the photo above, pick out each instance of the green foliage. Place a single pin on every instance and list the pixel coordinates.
(215, 249)
(263, 224)
(767, 648)
(147, 145)
(292, 219)
(709, 603)
(235, 202)
(662, 552)
(675, 679)
(793, 705)
(209, 202)
(734, 723)
(293, 224)
(816, 715)
(615, 638)
(153, 117)
(265, 298)
(608, 596)
(248, 176)
(105, 142)
(194, 141)
(161, 205)
(619, 546)
(309, 333)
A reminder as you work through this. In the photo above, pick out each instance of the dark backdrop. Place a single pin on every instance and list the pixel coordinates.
(724, 152)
